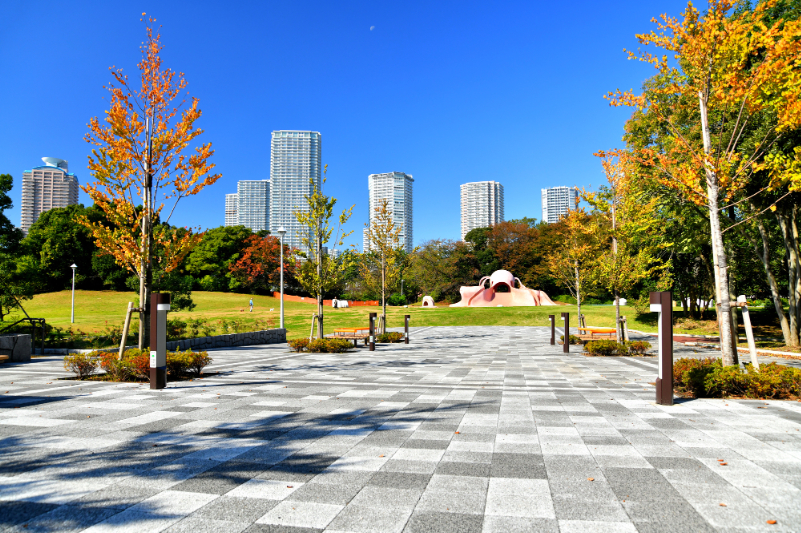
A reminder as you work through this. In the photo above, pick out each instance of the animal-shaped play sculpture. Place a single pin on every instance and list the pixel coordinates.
(514, 293)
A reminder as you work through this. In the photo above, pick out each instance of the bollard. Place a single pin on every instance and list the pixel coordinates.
(566, 344)
(159, 305)
(407, 317)
(662, 303)
(552, 318)
(372, 331)
(749, 332)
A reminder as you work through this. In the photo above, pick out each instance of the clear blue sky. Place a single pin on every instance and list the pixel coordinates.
(449, 92)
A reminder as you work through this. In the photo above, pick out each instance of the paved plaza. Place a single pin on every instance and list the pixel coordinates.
(465, 430)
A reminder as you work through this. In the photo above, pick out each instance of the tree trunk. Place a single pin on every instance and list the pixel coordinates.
(793, 273)
(320, 331)
(723, 302)
(383, 295)
(764, 256)
(578, 300)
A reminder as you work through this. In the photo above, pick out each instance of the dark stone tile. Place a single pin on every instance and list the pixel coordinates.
(400, 480)
(666, 516)
(444, 523)
(516, 465)
(13, 513)
(455, 468)
(426, 444)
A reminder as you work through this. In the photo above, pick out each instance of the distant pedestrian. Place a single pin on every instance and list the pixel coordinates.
(251, 305)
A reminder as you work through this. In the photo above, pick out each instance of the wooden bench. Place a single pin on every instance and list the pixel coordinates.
(592, 333)
(4, 358)
(352, 334)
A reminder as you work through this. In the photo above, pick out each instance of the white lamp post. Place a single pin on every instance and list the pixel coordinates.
(73, 267)
(281, 232)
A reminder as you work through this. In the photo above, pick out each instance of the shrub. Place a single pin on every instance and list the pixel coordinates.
(138, 363)
(642, 305)
(709, 378)
(391, 336)
(604, 348)
(638, 347)
(573, 339)
(329, 346)
(198, 362)
(178, 362)
(176, 329)
(299, 345)
(396, 299)
(118, 370)
(83, 364)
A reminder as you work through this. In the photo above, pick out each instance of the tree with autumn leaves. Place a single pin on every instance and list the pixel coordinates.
(138, 164)
(259, 267)
(728, 69)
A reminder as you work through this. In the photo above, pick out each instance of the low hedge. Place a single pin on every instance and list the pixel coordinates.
(573, 339)
(135, 364)
(708, 378)
(609, 347)
(390, 336)
(328, 345)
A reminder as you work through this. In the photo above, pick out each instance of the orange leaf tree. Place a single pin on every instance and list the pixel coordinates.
(259, 267)
(727, 68)
(138, 164)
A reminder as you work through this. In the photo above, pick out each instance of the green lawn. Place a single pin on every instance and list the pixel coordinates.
(95, 311)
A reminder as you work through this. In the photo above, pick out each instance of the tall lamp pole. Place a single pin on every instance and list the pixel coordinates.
(281, 232)
(72, 317)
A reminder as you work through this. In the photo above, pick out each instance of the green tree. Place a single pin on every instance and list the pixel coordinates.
(10, 236)
(318, 272)
(382, 264)
(18, 275)
(210, 261)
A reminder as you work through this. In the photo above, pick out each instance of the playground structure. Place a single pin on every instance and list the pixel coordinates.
(516, 294)
(428, 301)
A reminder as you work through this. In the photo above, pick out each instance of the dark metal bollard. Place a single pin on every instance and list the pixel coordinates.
(566, 343)
(159, 305)
(553, 328)
(407, 317)
(372, 331)
(662, 303)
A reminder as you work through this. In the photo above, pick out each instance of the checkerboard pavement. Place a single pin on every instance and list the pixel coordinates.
(465, 429)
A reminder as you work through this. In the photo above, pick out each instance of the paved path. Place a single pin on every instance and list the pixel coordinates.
(466, 429)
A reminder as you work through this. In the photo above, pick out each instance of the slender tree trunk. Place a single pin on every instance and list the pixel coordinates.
(578, 300)
(614, 251)
(718, 251)
(383, 294)
(320, 332)
(764, 256)
(793, 274)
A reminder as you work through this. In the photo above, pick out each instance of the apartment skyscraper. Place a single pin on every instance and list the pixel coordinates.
(252, 204)
(231, 209)
(556, 201)
(295, 159)
(482, 205)
(396, 187)
(46, 187)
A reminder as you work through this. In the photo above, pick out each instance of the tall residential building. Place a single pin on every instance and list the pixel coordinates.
(295, 160)
(556, 201)
(482, 205)
(231, 209)
(396, 187)
(46, 187)
(252, 204)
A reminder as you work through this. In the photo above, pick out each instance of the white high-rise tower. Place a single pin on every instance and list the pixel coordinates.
(556, 201)
(46, 187)
(482, 205)
(295, 159)
(396, 187)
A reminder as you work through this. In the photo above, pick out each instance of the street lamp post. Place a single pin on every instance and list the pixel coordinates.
(281, 232)
(73, 267)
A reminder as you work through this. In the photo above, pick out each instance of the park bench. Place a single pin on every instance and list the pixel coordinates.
(353, 334)
(4, 358)
(593, 333)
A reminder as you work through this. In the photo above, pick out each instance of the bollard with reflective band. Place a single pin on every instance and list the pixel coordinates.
(566, 343)
(372, 331)
(407, 317)
(662, 303)
(552, 318)
(159, 305)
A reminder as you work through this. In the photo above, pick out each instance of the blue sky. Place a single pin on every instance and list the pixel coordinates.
(449, 92)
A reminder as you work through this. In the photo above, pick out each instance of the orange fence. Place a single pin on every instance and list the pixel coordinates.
(328, 303)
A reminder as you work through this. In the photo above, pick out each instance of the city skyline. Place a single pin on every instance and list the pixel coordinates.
(454, 89)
